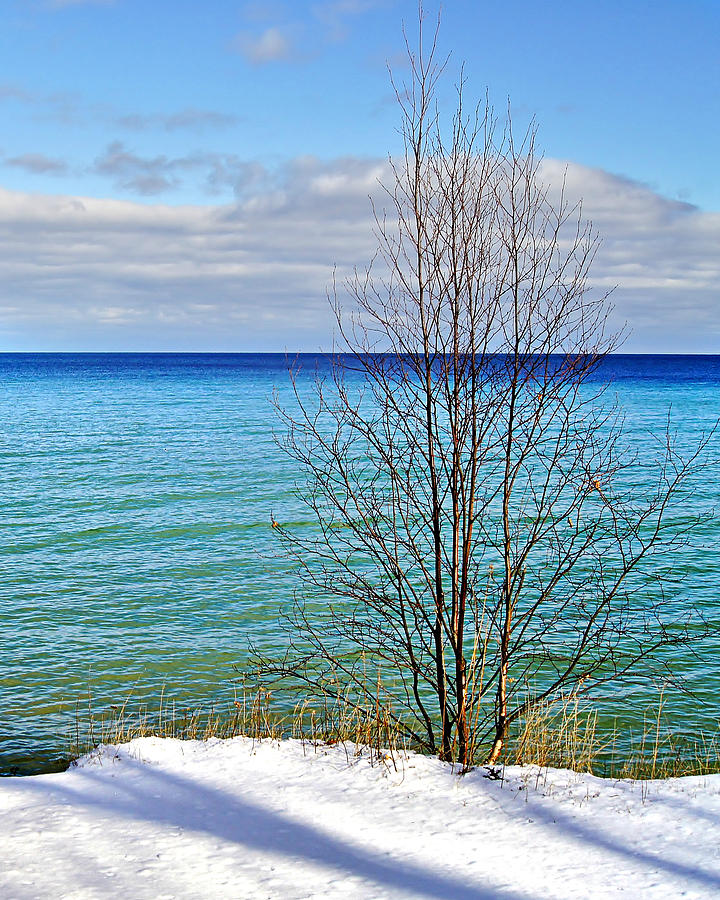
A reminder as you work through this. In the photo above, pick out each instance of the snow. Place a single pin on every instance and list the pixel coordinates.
(241, 819)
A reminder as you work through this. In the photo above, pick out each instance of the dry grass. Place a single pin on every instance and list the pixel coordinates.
(252, 714)
(659, 752)
(563, 735)
(120, 724)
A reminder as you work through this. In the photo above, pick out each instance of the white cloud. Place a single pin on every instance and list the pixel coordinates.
(80, 273)
(71, 109)
(288, 36)
(270, 45)
(154, 175)
(190, 119)
(333, 15)
(141, 175)
(15, 92)
(38, 164)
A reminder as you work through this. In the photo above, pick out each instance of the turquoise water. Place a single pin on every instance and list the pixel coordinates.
(137, 550)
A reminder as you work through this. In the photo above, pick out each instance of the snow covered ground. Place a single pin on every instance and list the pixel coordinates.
(236, 819)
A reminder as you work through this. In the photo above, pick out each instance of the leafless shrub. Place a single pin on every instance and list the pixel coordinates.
(479, 544)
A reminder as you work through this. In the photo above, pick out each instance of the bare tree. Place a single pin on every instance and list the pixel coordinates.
(478, 541)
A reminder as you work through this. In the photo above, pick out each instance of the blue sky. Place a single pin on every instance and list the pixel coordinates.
(163, 164)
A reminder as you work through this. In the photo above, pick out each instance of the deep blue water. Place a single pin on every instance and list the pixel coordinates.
(137, 551)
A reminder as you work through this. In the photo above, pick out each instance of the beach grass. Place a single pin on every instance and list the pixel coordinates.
(562, 735)
(567, 735)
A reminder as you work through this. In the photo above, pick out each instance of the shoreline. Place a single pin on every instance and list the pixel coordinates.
(564, 735)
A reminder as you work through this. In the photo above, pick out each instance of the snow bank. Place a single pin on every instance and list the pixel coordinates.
(237, 819)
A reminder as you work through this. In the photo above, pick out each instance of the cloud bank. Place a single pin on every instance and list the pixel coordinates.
(84, 274)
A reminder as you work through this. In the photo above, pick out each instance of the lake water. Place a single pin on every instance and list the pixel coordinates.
(137, 551)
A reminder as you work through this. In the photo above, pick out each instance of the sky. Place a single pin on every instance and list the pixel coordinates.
(185, 175)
